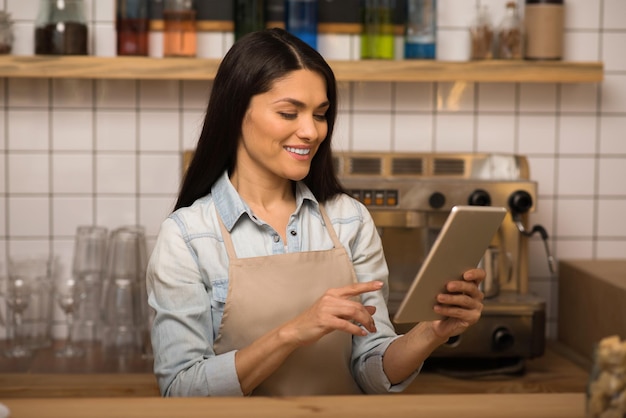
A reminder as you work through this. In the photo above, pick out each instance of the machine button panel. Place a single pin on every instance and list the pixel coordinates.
(377, 197)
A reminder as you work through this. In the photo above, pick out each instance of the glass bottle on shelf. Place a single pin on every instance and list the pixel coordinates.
(377, 37)
(481, 34)
(131, 24)
(179, 30)
(6, 33)
(249, 16)
(510, 36)
(301, 20)
(421, 29)
(61, 28)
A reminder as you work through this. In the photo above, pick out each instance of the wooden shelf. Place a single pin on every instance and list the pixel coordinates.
(144, 68)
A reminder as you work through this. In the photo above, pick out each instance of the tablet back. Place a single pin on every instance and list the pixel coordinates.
(459, 246)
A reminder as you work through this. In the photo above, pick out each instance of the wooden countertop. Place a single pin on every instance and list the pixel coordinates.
(48, 377)
(555, 405)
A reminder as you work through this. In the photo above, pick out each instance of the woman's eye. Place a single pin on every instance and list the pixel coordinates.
(289, 116)
(321, 117)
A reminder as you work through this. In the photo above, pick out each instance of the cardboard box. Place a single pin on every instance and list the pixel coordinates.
(592, 303)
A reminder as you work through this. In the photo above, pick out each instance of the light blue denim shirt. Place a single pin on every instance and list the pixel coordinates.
(187, 284)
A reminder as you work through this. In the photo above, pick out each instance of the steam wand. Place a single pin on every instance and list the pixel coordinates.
(544, 236)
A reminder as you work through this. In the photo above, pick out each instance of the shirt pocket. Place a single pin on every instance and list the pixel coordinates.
(219, 294)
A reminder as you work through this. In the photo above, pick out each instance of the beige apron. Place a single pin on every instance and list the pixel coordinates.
(265, 292)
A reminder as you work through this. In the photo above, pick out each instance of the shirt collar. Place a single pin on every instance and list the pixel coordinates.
(230, 206)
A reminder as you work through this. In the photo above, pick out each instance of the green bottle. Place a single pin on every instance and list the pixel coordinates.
(377, 37)
(249, 16)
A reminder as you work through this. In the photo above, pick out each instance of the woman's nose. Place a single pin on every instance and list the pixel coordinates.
(308, 128)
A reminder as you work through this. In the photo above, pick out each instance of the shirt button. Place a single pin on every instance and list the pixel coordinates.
(294, 233)
(276, 238)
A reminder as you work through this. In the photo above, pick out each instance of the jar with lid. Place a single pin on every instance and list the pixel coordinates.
(6, 33)
(377, 36)
(481, 34)
(131, 26)
(510, 34)
(544, 21)
(179, 32)
(61, 28)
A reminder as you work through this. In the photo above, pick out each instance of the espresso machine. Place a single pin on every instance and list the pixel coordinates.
(410, 196)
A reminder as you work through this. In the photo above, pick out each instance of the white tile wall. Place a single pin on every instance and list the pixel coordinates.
(574, 132)
(494, 135)
(582, 14)
(454, 132)
(107, 152)
(611, 139)
(576, 176)
(500, 97)
(613, 16)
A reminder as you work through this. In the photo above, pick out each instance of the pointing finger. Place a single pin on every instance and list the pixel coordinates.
(358, 288)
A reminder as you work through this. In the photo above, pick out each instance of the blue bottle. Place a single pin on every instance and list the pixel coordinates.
(301, 20)
(421, 29)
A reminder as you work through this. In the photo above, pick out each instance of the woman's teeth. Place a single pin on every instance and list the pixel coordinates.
(299, 151)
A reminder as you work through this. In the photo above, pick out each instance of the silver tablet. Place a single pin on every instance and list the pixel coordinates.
(459, 246)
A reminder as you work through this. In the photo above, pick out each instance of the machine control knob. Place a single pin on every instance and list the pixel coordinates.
(520, 201)
(502, 339)
(479, 197)
(436, 200)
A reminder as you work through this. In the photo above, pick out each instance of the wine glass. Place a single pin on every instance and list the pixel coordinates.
(68, 293)
(18, 295)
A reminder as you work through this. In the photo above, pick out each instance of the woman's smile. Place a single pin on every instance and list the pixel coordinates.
(301, 153)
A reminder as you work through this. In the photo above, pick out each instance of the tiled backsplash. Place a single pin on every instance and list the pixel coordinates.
(108, 152)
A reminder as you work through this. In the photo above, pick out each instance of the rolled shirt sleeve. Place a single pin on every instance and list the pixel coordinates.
(182, 335)
(367, 355)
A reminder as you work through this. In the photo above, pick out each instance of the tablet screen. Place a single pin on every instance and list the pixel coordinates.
(459, 246)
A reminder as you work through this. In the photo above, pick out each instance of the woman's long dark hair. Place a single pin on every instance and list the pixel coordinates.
(250, 68)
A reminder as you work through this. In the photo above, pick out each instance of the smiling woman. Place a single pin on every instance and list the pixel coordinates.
(268, 279)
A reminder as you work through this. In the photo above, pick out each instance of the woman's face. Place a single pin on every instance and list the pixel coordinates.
(284, 127)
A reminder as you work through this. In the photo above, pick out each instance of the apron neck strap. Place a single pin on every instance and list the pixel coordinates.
(230, 248)
(329, 227)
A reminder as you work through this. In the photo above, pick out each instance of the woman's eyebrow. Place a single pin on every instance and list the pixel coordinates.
(300, 104)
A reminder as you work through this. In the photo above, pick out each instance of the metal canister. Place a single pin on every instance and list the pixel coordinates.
(544, 23)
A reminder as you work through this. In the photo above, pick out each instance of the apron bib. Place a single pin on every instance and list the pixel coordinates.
(265, 292)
